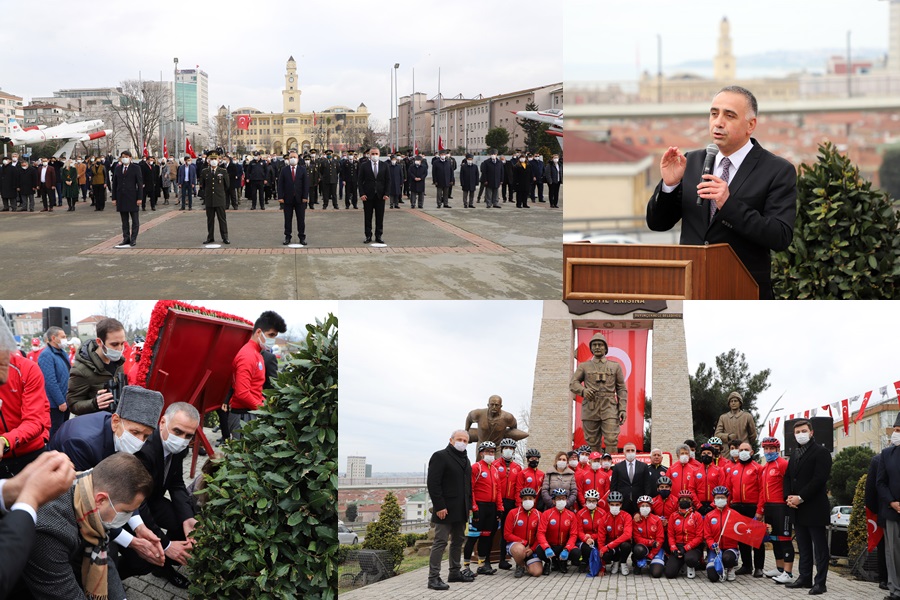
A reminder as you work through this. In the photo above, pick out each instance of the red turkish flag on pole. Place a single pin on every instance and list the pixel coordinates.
(862, 408)
(875, 533)
(146, 154)
(773, 427)
(845, 414)
(315, 120)
(188, 148)
(165, 149)
(243, 122)
(440, 143)
(743, 529)
(417, 153)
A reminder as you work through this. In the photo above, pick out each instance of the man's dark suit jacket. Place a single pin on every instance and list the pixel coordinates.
(806, 477)
(631, 490)
(151, 456)
(370, 186)
(888, 482)
(293, 189)
(86, 440)
(758, 216)
(16, 539)
(127, 187)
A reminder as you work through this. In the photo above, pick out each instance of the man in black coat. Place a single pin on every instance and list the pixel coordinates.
(632, 478)
(127, 189)
(553, 175)
(749, 200)
(450, 490)
(888, 486)
(443, 179)
(492, 173)
(873, 504)
(374, 184)
(293, 195)
(807, 473)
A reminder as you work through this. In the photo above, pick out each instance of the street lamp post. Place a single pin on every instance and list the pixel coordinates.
(396, 105)
(175, 102)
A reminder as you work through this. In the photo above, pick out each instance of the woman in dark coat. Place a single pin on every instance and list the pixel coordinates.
(521, 182)
(69, 176)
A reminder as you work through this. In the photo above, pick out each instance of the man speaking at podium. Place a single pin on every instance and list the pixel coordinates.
(747, 198)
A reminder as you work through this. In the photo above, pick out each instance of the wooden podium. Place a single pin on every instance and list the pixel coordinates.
(654, 272)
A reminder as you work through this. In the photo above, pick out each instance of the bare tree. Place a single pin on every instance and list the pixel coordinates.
(126, 312)
(218, 130)
(139, 115)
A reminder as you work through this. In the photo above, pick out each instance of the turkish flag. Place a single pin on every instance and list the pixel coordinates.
(243, 122)
(773, 427)
(440, 143)
(875, 533)
(315, 120)
(845, 414)
(146, 154)
(165, 149)
(897, 390)
(188, 148)
(862, 409)
(417, 153)
(744, 529)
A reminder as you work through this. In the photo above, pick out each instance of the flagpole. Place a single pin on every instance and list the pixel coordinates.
(141, 113)
(766, 418)
(438, 127)
(413, 143)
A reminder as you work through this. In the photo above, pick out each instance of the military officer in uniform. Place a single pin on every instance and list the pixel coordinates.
(329, 169)
(601, 383)
(312, 173)
(350, 177)
(216, 184)
(256, 179)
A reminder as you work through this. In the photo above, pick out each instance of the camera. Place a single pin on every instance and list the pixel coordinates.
(115, 386)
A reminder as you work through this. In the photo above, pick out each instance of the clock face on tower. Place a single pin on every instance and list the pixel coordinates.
(291, 79)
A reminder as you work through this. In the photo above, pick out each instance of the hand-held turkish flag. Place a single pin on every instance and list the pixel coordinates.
(875, 533)
(165, 149)
(744, 529)
(243, 122)
(188, 148)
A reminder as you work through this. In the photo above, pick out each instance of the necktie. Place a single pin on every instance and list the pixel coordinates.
(631, 471)
(375, 167)
(167, 463)
(293, 172)
(125, 170)
(726, 164)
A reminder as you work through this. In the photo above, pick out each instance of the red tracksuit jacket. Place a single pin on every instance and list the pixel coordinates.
(508, 474)
(649, 531)
(528, 477)
(558, 529)
(706, 479)
(618, 529)
(744, 483)
(522, 526)
(248, 376)
(486, 485)
(686, 530)
(771, 483)
(592, 524)
(24, 408)
(712, 528)
(593, 480)
(664, 508)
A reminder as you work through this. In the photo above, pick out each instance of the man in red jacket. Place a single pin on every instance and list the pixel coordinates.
(520, 532)
(558, 534)
(24, 409)
(508, 472)
(744, 487)
(487, 505)
(617, 548)
(775, 511)
(715, 541)
(593, 478)
(249, 373)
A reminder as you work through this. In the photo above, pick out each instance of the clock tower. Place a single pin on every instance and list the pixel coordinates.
(291, 92)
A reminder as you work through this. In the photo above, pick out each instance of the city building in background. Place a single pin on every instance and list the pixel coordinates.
(11, 107)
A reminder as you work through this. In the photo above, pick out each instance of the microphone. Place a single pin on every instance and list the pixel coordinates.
(711, 151)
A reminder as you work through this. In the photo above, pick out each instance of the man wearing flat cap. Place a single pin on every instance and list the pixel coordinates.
(215, 185)
(736, 424)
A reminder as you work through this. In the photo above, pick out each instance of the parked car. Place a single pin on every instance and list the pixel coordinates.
(840, 516)
(345, 536)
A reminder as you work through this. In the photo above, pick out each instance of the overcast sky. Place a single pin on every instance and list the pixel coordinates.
(411, 371)
(345, 51)
(608, 40)
(296, 313)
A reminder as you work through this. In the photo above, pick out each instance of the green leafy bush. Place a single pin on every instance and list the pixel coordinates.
(384, 534)
(269, 528)
(857, 532)
(846, 243)
(344, 550)
(849, 465)
(410, 539)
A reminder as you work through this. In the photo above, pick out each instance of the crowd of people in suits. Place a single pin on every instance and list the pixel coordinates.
(90, 501)
(639, 514)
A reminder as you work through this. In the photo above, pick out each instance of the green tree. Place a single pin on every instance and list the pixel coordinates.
(710, 387)
(497, 138)
(846, 244)
(849, 465)
(889, 171)
(269, 527)
(857, 532)
(384, 534)
(532, 129)
(351, 513)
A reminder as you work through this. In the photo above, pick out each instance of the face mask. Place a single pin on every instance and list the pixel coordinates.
(607, 464)
(418, 162)
(5, 162)
(560, 504)
(212, 163)
(590, 505)
(533, 464)
(684, 504)
(374, 158)
(683, 458)
(307, 162)
(560, 464)
(64, 343)
(521, 160)
(527, 504)
(734, 453)
(556, 160)
(802, 438)
(24, 166)
(126, 160)
(665, 494)
(770, 456)
(111, 354)
(494, 156)
(174, 444)
(614, 510)
(629, 456)
(583, 458)
(118, 521)
(394, 162)
(488, 458)
(573, 463)
(596, 466)
(645, 511)
(507, 454)
(127, 442)
(744, 455)
(692, 454)
(468, 162)
(461, 446)
(721, 502)
(293, 162)
(895, 438)
(705, 459)
(44, 163)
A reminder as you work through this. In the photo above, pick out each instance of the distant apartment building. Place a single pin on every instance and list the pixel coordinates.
(10, 108)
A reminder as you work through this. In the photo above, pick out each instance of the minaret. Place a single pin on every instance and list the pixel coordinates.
(291, 93)
(724, 63)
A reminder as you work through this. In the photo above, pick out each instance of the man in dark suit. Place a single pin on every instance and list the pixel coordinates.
(450, 490)
(553, 175)
(162, 455)
(807, 473)
(127, 189)
(873, 504)
(748, 202)
(374, 184)
(888, 486)
(632, 478)
(293, 196)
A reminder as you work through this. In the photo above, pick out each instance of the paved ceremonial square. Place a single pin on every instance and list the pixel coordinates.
(574, 585)
(455, 253)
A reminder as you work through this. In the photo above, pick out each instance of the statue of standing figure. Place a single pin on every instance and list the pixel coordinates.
(493, 423)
